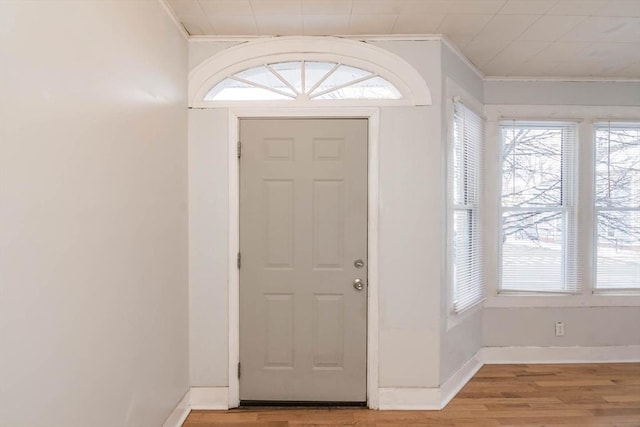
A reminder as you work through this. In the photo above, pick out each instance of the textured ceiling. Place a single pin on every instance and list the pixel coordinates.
(519, 38)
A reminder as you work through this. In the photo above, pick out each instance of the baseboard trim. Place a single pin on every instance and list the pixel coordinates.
(609, 354)
(409, 398)
(430, 399)
(453, 385)
(209, 398)
(180, 413)
(436, 398)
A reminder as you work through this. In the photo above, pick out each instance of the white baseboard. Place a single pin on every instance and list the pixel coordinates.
(198, 398)
(180, 413)
(423, 398)
(416, 398)
(209, 398)
(409, 398)
(453, 385)
(611, 354)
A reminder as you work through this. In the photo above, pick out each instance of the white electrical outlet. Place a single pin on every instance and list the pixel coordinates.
(559, 329)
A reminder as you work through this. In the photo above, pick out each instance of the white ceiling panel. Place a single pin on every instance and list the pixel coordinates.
(535, 68)
(513, 55)
(520, 38)
(596, 7)
(277, 7)
(198, 25)
(186, 7)
(605, 29)
(417, 24)
(327, 7)
(482, 51)
(632, 71)
(226, 7)
(371, 24)
(461, 27)
(506, 27)
(527, 7)
(551, 28)
(235, 24)
(472, 6)
(323, 25)
(561, 51)
(281, 25)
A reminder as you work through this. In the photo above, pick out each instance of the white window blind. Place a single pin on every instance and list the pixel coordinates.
(617, 206)
(538, 216)
(464, 177)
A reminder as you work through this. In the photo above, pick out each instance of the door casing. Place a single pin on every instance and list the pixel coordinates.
(372, 115)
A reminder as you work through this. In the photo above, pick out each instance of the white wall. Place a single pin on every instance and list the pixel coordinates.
(93, 214)
(584, 326)
(579, 93)
(208, 247)
(410, 251)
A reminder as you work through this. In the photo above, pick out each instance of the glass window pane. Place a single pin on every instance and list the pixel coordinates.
(314, 71)
(291, 72)
(532, 250)
(374, 88)
(341, 76)
(233, 90)
(264, 77)
(532, 166)
(617, 159)
(618, 264)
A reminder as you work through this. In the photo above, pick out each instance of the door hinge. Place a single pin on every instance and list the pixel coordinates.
(239, 149)
(238, 370)
(239, 261)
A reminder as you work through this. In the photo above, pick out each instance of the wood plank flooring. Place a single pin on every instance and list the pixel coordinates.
(576, 395)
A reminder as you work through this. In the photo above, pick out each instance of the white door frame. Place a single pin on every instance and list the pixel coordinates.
(373, 117)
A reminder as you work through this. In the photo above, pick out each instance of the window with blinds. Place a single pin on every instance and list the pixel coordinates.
(617, 206)
(538, 216)
(465, 163)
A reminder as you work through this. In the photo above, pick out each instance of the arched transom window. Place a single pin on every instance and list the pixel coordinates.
(303, 80)
(306, 72)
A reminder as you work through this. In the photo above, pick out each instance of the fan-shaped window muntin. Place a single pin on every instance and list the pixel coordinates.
(293, 80)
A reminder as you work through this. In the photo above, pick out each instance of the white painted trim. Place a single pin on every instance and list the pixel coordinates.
(373, 116)
(209, 398)
(409, 399)
(246, 55)
(359, 37)
(460, 378)
(423, 398)
(167, 8)
(417, 398)
(180, 413)
(609, 354)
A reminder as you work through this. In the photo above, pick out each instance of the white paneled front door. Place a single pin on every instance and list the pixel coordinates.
(303, 244)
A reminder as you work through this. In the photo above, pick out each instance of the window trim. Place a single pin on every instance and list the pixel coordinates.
(567, 208)
(584, 115)
(612, 292)
(458, 94)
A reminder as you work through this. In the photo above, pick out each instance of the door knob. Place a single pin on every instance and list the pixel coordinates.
(358, 284)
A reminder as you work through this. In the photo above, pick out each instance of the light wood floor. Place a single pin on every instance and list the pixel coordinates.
(499, 395)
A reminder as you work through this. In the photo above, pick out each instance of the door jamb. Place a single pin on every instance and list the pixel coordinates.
(373, 118)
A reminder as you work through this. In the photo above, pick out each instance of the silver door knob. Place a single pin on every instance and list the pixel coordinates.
(358, 284)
